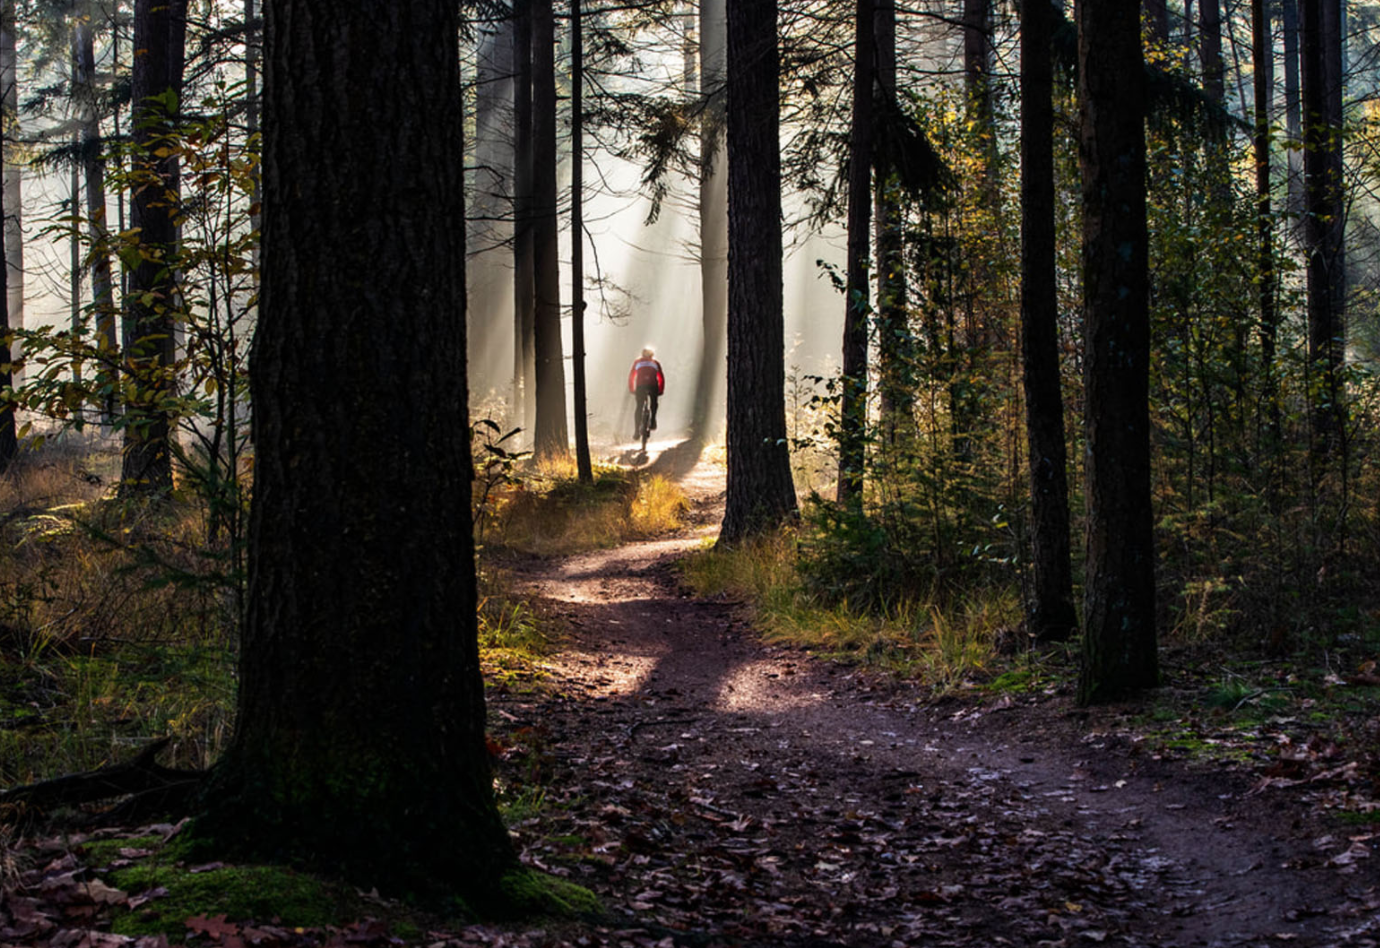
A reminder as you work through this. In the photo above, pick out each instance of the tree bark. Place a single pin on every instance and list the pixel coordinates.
(150, 327)
(361, 704)
(13, 173)
(1293, 112)
(524, 245)
(893, 331)
(552, 437)
(93, 164)
(1262, 55)
(1157, 18)
(9, 441)
(491, 281)
(1051, 615)
(853, 406)
(583, 466)
(1210, 51)
(713, 213)
(760, 493)
(1325, 222)
(1119, 650)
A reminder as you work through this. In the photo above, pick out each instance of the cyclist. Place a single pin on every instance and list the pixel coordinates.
(647, 381)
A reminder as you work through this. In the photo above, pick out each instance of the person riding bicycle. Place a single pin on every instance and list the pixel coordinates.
(646, 380)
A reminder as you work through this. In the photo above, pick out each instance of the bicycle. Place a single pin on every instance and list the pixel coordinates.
(643, 420)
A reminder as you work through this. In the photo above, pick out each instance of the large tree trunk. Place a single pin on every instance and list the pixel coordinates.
(853, 407)
(1051, 613)
(713, 208)
(1325, 222)
(150, 328)
(524, 245)
(93, 163)
(760, 492)
(13, 175)
(359, 744)
(1119, 651)
(552, 437)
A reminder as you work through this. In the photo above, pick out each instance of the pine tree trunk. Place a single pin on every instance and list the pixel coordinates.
(1293, 113)
(583, 465)
(552, 437)
(524, 241)
(713, 211)
(893, 331)
(1325, 223)
(1051, 614)
(1262, 55)
(13, 174)
(760, 492)
(150, 328)
(853, 408)
(491, 208)
(93, 163)
(359, 744)
(1119, 650)
(1156, 18)
(9, 441)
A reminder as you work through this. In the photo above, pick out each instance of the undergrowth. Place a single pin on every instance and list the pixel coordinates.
(548, 513)
(943, 643)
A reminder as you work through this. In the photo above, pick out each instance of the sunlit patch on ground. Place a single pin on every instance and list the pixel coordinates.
(609, 675)
(756, 687)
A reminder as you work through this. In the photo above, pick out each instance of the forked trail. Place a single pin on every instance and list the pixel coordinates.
(717, 790)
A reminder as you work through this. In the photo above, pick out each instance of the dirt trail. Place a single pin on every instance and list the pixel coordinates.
(716, 790)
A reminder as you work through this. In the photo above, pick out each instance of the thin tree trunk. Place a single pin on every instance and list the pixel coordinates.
(150, 327)
(1119, 650)
(93, 162)
(760, 493)
(1262, 57)
(583, 465)
(552, 438)
(713, 210)
(491, 283)
(893, 331)
(13, 175)
(361, 703)
(853, 408)
(1051, 615)
(1293, 113)
(9, 440)
(251, 110)
(524, 246)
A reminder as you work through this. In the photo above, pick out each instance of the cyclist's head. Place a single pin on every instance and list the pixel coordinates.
(647, 353)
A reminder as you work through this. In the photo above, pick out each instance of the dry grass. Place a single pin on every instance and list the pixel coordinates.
(942, 645)
(558, 517)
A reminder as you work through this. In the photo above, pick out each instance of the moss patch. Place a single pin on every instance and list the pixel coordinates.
(533, 893)
(241, 893)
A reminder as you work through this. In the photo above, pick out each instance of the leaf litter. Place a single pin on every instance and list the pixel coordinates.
(716, 791)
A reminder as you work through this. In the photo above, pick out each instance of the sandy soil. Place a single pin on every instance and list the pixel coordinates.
(714, 789)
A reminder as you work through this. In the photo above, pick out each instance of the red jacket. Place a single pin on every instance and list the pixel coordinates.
(644, 374)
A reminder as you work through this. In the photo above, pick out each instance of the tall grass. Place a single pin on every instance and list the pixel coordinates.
(554, 517)
(942, 644)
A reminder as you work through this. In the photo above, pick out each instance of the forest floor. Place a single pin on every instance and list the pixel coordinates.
(716, 790)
